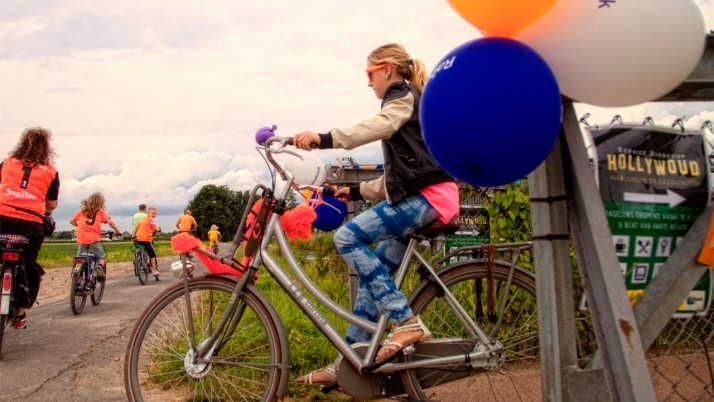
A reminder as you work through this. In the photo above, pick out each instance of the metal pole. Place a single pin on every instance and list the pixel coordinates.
(613, 318)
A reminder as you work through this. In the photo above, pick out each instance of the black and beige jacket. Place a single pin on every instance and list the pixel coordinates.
(408, 165)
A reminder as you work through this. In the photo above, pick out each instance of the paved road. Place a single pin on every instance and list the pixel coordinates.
(64, 357)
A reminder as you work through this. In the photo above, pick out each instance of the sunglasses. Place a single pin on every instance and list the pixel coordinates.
(372, 69)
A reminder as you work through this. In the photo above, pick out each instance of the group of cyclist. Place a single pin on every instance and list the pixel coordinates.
(29, 193)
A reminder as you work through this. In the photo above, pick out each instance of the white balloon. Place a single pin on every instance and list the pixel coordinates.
(306, 171)
(619, 53)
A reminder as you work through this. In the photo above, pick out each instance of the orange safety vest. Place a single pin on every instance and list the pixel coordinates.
(24, 187)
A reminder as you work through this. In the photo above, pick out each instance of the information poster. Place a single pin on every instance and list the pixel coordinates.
(654, 184)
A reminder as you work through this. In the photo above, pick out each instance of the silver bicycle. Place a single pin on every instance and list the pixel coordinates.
(219, 338)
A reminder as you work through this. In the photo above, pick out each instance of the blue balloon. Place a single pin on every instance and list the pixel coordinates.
(491, 111)
(330, 216)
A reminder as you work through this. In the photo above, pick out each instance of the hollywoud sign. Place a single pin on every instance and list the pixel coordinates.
(654, 184)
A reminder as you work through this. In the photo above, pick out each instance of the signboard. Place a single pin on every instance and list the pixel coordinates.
(473, 231)
(653, 183)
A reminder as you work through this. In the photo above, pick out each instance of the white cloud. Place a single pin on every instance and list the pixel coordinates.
(150, 100)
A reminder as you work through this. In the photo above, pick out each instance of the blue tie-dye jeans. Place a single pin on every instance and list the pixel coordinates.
(389, 225)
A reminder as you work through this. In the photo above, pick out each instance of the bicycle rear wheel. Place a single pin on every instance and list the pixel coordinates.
(77, 296)
(98, 291)
(139, 269)
(516, 328)
(4, 319)
(158, 362)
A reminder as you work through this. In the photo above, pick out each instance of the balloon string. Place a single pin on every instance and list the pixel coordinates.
(315, 202)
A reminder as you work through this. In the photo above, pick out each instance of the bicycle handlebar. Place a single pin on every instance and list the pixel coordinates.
(291, 141)
(282, 142)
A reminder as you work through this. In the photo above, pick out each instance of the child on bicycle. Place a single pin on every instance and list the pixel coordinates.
(416, 190)
(88, 221)
(214, 236)
(144, 234)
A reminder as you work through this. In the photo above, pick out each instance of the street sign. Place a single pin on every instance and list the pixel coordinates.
(654, 184)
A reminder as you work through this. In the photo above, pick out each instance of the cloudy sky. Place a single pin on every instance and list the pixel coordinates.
(151, 100)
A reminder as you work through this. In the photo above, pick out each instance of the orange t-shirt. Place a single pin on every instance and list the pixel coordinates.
(25, 187)
(145, 229)
(89, 227)
(185, 222)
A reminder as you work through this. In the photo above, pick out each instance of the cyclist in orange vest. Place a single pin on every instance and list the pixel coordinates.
(29, 182)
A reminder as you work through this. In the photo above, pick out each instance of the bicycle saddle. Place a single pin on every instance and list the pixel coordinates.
(14, 240)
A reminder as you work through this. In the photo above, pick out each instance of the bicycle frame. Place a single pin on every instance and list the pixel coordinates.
(378, 329)
(141, 251)
(365, 365)
(91, 260)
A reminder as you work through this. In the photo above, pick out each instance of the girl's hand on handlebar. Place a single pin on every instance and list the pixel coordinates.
(305, 140)
(343, 194)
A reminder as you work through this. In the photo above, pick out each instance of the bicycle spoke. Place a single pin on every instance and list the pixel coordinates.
(516, 328)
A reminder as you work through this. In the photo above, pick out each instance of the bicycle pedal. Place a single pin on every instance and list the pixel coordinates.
(409, 349)
(327, 389)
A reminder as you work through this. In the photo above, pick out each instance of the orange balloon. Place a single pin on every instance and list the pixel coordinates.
(504, 18)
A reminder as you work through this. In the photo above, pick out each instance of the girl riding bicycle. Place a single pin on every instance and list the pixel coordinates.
(88, 221)
(416, 189)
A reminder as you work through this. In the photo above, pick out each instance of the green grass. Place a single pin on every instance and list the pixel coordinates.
(60, 254)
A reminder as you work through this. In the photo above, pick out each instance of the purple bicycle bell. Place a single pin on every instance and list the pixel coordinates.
(264, 133)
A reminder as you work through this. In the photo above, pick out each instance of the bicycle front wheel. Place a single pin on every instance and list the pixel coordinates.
(515, 327)
(77, 296)
(246, 366)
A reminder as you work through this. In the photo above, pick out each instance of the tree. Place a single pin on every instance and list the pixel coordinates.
(220, 206)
